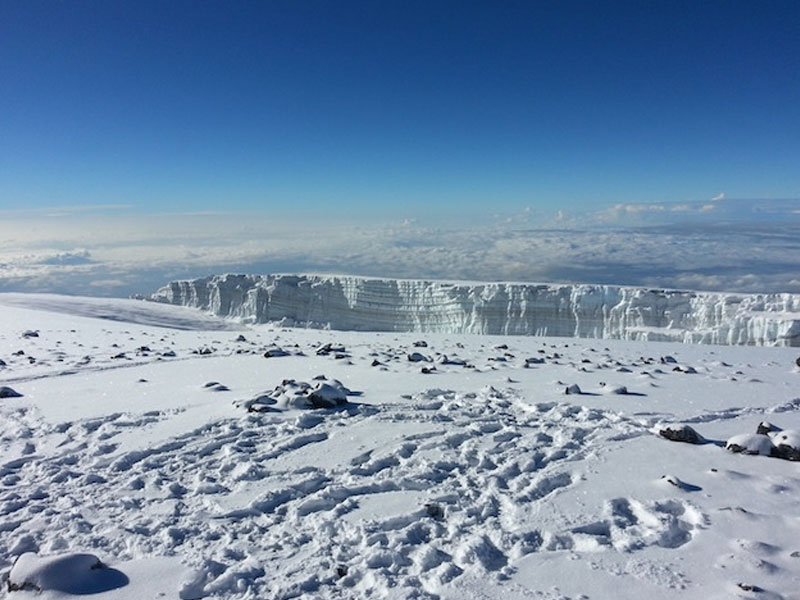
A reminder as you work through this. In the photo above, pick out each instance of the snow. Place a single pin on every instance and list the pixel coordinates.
(593, 311)
(193, 466)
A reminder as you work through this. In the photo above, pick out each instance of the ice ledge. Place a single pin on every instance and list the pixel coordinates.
(596, 311)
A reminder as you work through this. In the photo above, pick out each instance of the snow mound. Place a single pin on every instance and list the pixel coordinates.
(751, 443)
(78, 574)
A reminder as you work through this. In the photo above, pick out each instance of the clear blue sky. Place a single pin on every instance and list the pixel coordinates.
(372, 105)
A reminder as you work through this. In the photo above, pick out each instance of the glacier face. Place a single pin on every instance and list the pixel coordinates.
(596, 311)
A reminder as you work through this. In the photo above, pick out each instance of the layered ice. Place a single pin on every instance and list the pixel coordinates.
(594, 311)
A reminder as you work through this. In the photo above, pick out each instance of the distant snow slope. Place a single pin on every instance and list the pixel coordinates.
(191, 464)
(117, 309)
(598, 311)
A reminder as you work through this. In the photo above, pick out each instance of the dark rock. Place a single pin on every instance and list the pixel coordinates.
(681, 433)
(330, 349)
(434, 511)
(417, 357)
(764, 428)
(275, 352)
(7, 392)
(376, 363)
(30, 334)
(420, 344)
(573, 389)
(240, 338)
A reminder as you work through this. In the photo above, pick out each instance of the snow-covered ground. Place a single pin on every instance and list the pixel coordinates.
(163, 443)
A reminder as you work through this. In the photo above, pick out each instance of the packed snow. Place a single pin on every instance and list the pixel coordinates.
(149, 450)
(593, 311)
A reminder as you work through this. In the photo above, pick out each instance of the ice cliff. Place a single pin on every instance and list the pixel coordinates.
(596, 311)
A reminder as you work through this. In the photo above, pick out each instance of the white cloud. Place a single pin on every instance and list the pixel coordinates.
(116, 255)
(718, 197)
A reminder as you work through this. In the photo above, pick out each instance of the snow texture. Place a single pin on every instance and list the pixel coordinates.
(595, 311)
(145, 460)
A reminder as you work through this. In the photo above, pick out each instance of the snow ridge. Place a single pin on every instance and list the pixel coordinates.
(580, 310)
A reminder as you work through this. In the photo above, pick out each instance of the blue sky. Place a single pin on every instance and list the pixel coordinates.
(381, 108)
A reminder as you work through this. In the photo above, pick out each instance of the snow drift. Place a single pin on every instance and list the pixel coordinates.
(596, 311)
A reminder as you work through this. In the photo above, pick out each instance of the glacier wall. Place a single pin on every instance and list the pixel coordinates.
(595, 311)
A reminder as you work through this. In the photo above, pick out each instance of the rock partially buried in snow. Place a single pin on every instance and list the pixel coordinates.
(275, 353)
(751, 443)
(417, 357)
(573, 389)
(326, 395)
(7, 392)
(766, 427)
(681, 433)
(78, 574)
(216, 386)
(787, 444)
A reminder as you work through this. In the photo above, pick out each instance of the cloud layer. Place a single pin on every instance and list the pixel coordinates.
(747, 246)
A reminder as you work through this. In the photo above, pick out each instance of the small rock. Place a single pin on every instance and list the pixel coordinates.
(275, 352)
(417, 357)
(765, 427)
(572, 389)
(434, 511)
(7, 392)
(681, 433)
(420, 344)
(30, 334)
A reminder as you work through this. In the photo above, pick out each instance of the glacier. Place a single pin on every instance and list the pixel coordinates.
(569, 310)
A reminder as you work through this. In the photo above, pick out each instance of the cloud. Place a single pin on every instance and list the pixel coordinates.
(718, 197)
(76, 257)
(115, 255)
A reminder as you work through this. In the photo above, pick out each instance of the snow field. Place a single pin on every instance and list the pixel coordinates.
(478, 478)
